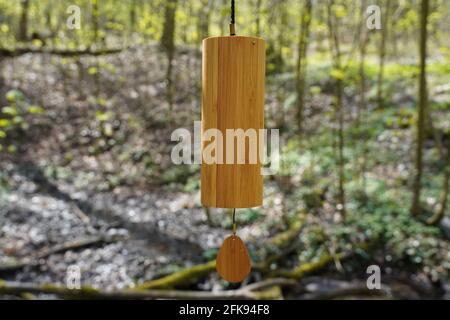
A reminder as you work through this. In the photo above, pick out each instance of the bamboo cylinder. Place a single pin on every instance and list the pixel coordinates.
(233, 77)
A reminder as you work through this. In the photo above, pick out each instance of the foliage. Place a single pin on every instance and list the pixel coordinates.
(15, 118)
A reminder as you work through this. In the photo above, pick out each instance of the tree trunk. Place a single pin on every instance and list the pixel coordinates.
(258, 17)
(168, 44)
(23, 25)
(133, 16)
(437, 217)
(333, 32)
(95, 23)
(302, 62)
(204, 19)
(340, 112)
(95, 36)
(362, 106)
(415, 208)
(384, 35)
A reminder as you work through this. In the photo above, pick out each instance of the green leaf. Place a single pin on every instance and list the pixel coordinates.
(92, 70)
(339, 11)
(4, 28)
(2, 134)
(14, 95)
(35, 110)
(108, 130)
(11, 149)
(4, 123)
(103, 116)
(12, 111)
(337, 74)
(37, 42)
(17, 119)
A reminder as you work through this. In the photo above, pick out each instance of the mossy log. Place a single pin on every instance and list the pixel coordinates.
(268, 289)
(180, 277)
(10, 53)
(307, 268)
(324, 260)
(190, 274)
(285, 238)
(280, 245)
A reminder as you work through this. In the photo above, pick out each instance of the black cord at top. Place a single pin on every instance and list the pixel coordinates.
(232, 19)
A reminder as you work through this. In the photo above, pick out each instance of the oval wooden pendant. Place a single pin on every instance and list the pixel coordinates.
(233, 262)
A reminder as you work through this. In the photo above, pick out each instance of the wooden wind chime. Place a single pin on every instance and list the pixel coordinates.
(232, 98)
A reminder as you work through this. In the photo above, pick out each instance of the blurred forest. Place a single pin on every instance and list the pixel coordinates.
(86, 178)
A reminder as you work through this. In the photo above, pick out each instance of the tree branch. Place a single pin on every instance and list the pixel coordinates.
(4, 52)
(246, 293)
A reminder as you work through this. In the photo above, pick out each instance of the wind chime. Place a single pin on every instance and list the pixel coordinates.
(232, 98)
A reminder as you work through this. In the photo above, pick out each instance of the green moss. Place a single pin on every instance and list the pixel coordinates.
(273, 293)
(181, 277)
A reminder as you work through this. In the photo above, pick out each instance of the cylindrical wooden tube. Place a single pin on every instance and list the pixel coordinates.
(232, 98)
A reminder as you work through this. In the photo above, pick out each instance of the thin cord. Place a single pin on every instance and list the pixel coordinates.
(234, 221)
(232, 19)
(233, 33)
(232, 12)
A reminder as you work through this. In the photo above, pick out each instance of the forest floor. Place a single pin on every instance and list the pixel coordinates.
(95, 167)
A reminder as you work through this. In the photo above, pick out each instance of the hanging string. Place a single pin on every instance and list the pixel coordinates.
(234, 221)
(232, 20)
(233, 33)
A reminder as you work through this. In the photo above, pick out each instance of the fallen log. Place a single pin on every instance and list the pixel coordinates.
(307, 268)
(285, 238)
(202, 270)
(268, 289)
(11, 53)
(180, 277)
(326, 259)
(281, 245)
(193, 273)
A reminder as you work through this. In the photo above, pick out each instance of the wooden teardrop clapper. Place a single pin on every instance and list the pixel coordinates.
(233, 262)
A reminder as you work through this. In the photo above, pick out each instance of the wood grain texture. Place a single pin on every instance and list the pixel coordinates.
(233, 262)
(233, 78)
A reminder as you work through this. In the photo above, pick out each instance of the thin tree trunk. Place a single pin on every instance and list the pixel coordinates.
(133, 16)
(95, 24)
(415, 208)
(437, 217)
(95, 36)
(280, 41)
(204, 19)
(258, 17)
(362, 106)
(49, 23)
(333, 31)
(382, 57)
(339, 107)
(23, 25)
(302, 62)
(168, 44)
(223, 27)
